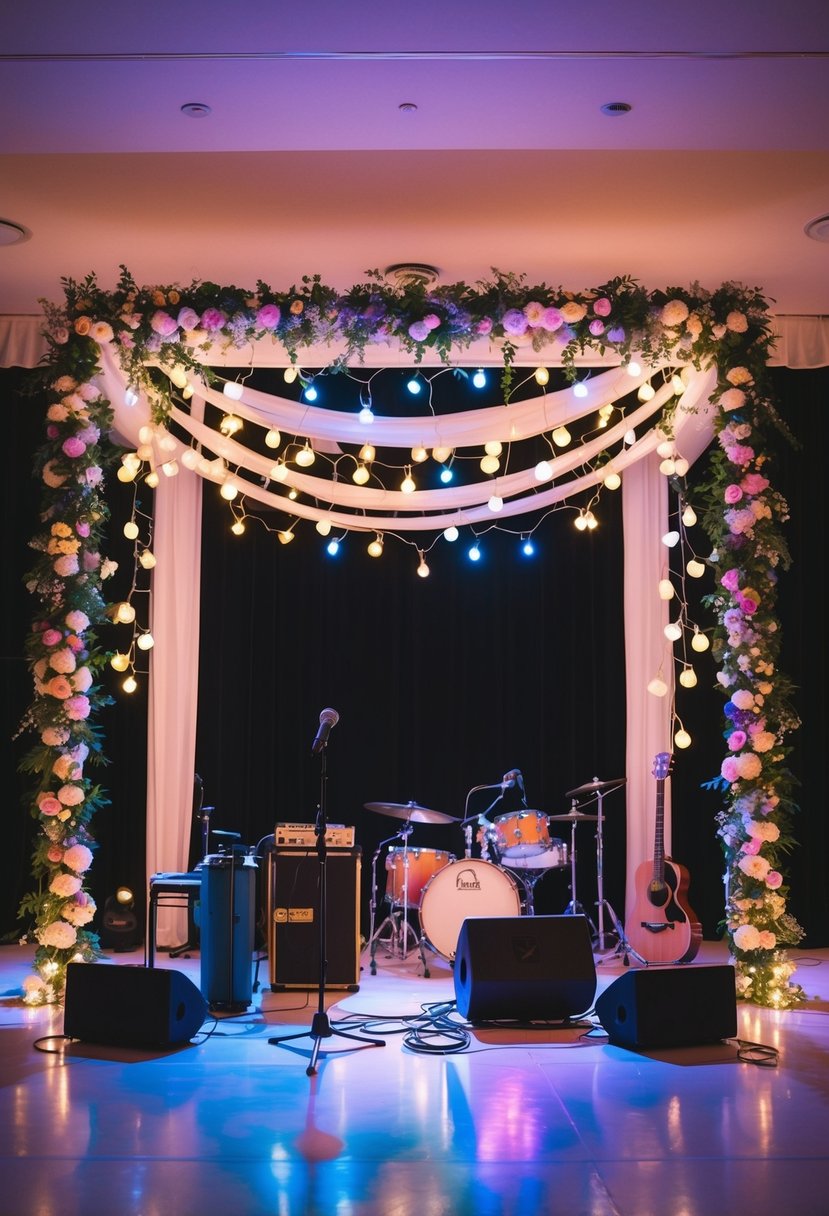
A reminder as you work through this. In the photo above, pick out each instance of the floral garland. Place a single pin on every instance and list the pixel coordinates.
(744, 517)
(172, 326)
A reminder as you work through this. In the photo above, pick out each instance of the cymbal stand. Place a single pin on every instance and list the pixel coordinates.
(397, 938)
(601, 902)
(574, 908)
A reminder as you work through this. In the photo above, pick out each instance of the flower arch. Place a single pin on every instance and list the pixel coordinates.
(155, 350)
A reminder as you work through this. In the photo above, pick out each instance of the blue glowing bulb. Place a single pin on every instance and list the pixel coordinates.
(474, 554)
(579, 389)
(414, 386)
(333, 548)
(479, 379)
(310, 393)
(446, 475)
(528, 548)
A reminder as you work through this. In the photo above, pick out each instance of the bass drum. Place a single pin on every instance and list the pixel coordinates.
(464, 888)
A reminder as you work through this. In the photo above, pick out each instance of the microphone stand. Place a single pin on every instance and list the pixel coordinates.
(321, 1027)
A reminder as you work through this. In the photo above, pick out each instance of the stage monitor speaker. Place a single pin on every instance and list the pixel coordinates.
(293, 922)
(670, 1006)
(131, 1006)
(537, 968)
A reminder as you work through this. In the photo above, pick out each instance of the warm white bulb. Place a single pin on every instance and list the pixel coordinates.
(665, 589)
(229, 490)
(305, 456)
(496, 503)
(682, 739)
(407, 485)
(646, 392)
(673, 631)
(423, 569)
(561, 436)
(130, 684)
(279, 472)
(230, 424)
(366, 415)
(695, 568)
(147, 559)
(187, 392)
(131, 529)
(490, 464)
(290, 374)
(580, 521)
(323, 526)
(688, 677)
(699, 642)
(144, 451)
(367, 453)
(145, 434)
(145, 641)
(657, 687)
(450, 533)
(441, 454)
(166, 441)
(375, 547)
(360, 475)
(590, 520)
(125, 613)
(272, 438)
(237, 527)
(151, 479)
(542, 376)
(286, 536)
(543, 471)
(233, 390)
(493, 448)
(689, 516)
(630, 437)
(665, 448)
(293, 494)
(681, 466)
(170, 469)
(670, 539)
(634, 368)
(668, 467)
(178, 376)
(119, 662)
(612, 480)
(126, 473)
(419, 454)
(190, 458)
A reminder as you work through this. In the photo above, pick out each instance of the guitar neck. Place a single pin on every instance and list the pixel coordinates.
(659, 834)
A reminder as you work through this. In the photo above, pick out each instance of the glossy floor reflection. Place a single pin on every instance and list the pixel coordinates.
(518, 1123)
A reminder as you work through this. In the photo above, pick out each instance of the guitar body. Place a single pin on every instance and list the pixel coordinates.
(661, 927)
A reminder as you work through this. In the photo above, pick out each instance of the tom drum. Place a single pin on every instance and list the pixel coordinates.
(420, 865)
(520, 834)
(465, 888)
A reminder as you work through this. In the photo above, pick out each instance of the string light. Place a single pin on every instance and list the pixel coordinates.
(230, 425)
(695, 568)
(145, 641)
(323, 526)
(493, 447)
(151, 479)
(689, 516)
(126, 473)
(190, 458)
(611, 478)
(366, 415)
(590, 520)
(229, 490)
(579, 389)
(273, 438)
(451, 533)
(688, 677)
(285, 536)
(230, 388)
(580, 521)
(290, 374)
(699, 641)
(367, 453)
(630, 437)
(634, 368)
(496, 503)
(169, 469)
(441, 454)
(131, 529)
(310, 392)
(125, 613)
(237, 527)
(305, 456)
(119, 661)
(446, 474)
(527, 546)
(646, 392)
(561, 436)
(147, 559)
(414, 386)
(543, 471)
(474, 553)
(332, 548)
(682, 739)
(670, 539)
(479, 379)
(407, 485)
(657, 686)
(666, 589)
(360, 475)
(673, 631)
(130, 684)
(490, 464)
(293, 493)
(419, 454)
(422, 569)
(375, 547)
(542, 376)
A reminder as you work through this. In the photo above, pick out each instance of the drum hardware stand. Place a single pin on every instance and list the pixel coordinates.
(574, 908)
(601, 902)
(398, 936)
(321, 1027)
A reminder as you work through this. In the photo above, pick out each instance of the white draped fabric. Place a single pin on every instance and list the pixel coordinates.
(802, 342)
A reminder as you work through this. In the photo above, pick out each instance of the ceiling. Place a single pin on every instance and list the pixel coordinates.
(307, 164)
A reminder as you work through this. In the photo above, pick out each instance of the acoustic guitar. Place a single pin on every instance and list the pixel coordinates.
(661, 926)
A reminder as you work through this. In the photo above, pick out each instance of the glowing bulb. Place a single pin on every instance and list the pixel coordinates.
(634, 368)
(422, 569)
(681, 466)
(665, 448)
(496, 503)
(493, 448)
(119, 662)
(446, 475)
(125, 613)
(229, 490)
(286, 536)
(230, 424)
(333, 548)
(360, 475)
(125, 473)
(542, 376)
(279, 472)
(419, 454)
(665, 589)
(682, 738)
(145, 641)
(187, 392)
(657, 687)
(479, 379)
(670, 539)
(450, 533)
(668, 467)
(169, 469)
(144, 452)
(441, 454)
(474, 553)
(527, 547)
(323, 526)
(367, 453)
(290, 374)
(231, 389)
(673, 631)
(366, 415)
(699, 641)
(590, 520)
(130, 684)
(131, 530)
(579, 389)
(543, 471)
(612, 480)
(293, 494)
(646, 392)
(190, 458)
(630, 437)
(147, 559)
(688, 677)
(689, 516)
(414, 386)
(580, 521)
(375, 547)
(166, 441)
(695, 568)
(145, 434)
(237, 527)
(407, 485)
(272, 438)
(310, 392)
(151, 479)
(561, 436)
(305, 456)
(490, 464)
(678, 385)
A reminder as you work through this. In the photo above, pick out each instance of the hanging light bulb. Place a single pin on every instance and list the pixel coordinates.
(561, 436)
(125, 613)
(230, 424)
(673, 631)
(145, 641)
(151, 479)
(190, 458)
(144, 451)
(527, 546)
(131, 529)
(279, 472)
(450, 533)
(360, 475)
(665, 448)
(543, 471)
(119, 662)
(678, 385)
(165, 440)
(366, 415)
(332, 548)
(490, 464)
(272, 438)
(414, 385)
(367, 453)
(237, 527)
(668, 467)
(441, 453)
(293, 494)
(689, 516)
(290, 374)
(323, 526)
(310, 392)
(407, 485)
(580, 521)
(479, 379)
(493, 447)
(305, 456)
(422, 569)
(634, 368)
(495, 503)
(688, 677)
(630, 437)
(670, 539)
(579, 389)
(446, 474)
(130, 684)
(682, 739)
(699, 641)
(695, 568)
(646, 391)
(375, 547)
(187, 392)
(665, 589)
(231, 389)
(590, 520)
(657, 686)
(147, 559)
(611, 479)
(126, 473)
(474, 553)
(542, 376)
(285, 536)
(145, 434)
(229, 489)
(681, 466)
(419, 454)
(169, 469)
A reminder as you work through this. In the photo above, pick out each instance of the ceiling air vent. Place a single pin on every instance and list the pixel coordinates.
(613, 108)
(818, 229)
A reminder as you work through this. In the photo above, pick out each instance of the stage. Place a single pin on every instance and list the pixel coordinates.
(520, 1121)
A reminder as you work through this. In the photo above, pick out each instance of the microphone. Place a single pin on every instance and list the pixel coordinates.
(328, 720)
(511, 779)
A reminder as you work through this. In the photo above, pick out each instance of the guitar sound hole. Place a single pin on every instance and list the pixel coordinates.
(658, 894)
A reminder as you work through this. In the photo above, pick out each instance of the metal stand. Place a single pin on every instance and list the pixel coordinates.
(399, 934)
(321, 1027)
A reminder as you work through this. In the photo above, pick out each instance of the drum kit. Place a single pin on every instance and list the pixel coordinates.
(440, 890)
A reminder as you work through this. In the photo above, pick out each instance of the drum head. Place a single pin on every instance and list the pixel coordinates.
(464, 888)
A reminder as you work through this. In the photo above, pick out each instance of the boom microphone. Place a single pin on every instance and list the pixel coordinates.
(328, 720)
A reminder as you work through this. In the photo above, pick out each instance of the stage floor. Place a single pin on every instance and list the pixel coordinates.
(517, 1123)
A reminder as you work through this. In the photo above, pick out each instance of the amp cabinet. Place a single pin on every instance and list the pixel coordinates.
(293, 919)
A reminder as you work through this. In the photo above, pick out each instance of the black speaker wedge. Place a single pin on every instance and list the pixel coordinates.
(670, 1006)
(131, 1006)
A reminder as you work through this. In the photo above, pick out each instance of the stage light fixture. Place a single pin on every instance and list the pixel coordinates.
(120, 926)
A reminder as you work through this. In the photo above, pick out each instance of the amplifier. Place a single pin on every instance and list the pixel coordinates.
(293, 919)
(303, 836)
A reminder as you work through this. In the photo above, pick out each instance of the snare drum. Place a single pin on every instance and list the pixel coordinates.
(465, 888)
(422, 864)
(556, 858)
(521, 834)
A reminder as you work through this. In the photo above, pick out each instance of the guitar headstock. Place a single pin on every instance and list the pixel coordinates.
(662, 765)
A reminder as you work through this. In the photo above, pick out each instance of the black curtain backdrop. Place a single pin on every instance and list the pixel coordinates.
(441, 684)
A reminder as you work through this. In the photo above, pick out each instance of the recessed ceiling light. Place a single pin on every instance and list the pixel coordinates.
(407, 107)
(196, 109)
(818, 228)
(12, 233)
(614, 108)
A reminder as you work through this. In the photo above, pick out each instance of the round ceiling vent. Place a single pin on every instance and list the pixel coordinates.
(614, 108)
(818, 228)
(196, 109)
(408, 273)
(12, 233)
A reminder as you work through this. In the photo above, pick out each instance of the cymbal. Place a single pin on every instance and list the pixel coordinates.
(595, 787)
(410, 811)
(578, 816)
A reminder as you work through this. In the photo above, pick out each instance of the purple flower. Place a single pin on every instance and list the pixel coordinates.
(514, 322)
(213, 319)
(596, 327)
(73, 447)
(431, 320)
(419, 330)
(731, 580)
(268, 316)
(188, 318)
(162, 323)
(484, 326)
(616, 333)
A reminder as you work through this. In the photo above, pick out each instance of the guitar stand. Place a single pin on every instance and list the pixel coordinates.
(623, 949)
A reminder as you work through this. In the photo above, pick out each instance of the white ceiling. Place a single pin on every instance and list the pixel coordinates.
(307, 165)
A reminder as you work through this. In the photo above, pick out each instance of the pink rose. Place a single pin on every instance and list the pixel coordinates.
(731, 580)
(267, 317)
(754, 483)
(77, 620)
(728, 769)
(732, 399)
(751, 847)
(66, 565)
(88, 392)
(736, 322)
(49, 805)
(59, 688)
(77, 707)
(419, 331)
(736, 740)
(54, 854)
(596, 327)
(73, 447)
(733, 493)
(51, 637)
(82, 528)
(552, 320)
(602, 306)
(91, 561)
(774, 879)
(484, 326)
(213, 319)
(162, 323)
(189, 319)
(740, 453)
(431, 321)
(52, 431)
